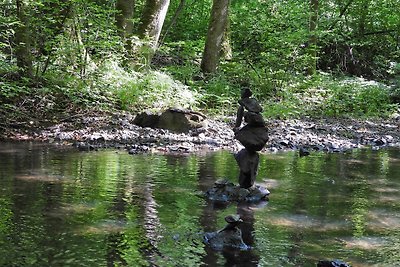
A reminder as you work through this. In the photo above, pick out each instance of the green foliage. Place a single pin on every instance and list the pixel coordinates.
(77, 57)
(271, 33)
(358, 97)
(323, 95)
(192, 23)
(144, 90)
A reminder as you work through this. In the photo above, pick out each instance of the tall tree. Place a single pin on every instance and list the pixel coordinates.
(215, 35)
(313, 37)
(124, 22)
(178, 11)
(23, 40)
(363, 18)
(152, 20)
(124, 17)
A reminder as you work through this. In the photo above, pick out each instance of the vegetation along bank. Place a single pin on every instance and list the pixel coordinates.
(327, 73)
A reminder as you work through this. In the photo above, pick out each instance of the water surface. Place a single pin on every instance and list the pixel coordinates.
(61, 207)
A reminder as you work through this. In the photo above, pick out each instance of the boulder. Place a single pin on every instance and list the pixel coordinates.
(176, 120)
(182, 121)
(254, 119)
(248, 164)
(147, 119)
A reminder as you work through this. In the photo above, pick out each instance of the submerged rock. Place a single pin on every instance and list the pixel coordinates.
(225, 191)
(332, 263)
(228, 237)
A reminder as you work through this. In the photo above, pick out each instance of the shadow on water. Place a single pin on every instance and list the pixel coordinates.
(61, 207)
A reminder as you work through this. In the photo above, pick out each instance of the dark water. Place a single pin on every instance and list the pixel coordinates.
(60, 207)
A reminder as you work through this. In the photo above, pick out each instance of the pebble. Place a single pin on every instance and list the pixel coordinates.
(118, 130)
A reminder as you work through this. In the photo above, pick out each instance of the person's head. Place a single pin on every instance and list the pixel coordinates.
(246, 92)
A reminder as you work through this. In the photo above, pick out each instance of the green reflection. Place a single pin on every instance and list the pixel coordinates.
(60, 207)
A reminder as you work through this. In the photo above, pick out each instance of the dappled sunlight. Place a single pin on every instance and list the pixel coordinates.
(365, 243)
(270, 183)
(67, 210)
(355, 162)
(389, 200)
(382, 220)
(105, 227)
(308, 222)
(77, 208)
(43, 178)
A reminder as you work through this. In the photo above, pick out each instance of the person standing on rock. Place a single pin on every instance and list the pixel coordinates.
(253, 136)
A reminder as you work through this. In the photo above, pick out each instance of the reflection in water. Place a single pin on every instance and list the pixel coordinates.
(60, 207)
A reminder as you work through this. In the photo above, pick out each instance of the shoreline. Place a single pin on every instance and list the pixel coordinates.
(116, 130)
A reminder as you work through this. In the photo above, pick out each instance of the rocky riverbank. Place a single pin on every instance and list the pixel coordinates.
(118, 130)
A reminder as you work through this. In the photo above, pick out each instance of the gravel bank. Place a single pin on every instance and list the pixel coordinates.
(118, 130)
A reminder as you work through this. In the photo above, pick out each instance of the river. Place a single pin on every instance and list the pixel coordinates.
(62, 207)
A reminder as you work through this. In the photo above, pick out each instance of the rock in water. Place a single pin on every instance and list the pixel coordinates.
(228, 237)
(224, 191)
(252, 138)
(332, 263)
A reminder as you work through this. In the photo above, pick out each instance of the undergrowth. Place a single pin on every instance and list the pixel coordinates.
(111, 87)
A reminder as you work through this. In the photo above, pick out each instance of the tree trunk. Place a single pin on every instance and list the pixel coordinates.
(226, 48)
(215, 36)
(124, 17)
(363, 18)
(152, 20)
(173, 20)
(313, 37)
(22, 41)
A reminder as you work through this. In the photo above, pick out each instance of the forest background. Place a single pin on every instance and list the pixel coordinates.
(313, 58)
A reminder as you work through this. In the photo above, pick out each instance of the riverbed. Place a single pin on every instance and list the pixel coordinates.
(64, 207)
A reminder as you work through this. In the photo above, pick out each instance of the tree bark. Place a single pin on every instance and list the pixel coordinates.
(125, 9)
(215, 35)
(152, 20)
(173, 20)
(363, 18)
(22, 41)
(313, 37)
(226, 48)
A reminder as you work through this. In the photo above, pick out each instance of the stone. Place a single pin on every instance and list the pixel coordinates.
(303, 152)
(232, 219)
(147, 119)
(332, 263)
(182, 121)
(176, 120)
(224, 191)
(250, 104)
(252, 138)
(228, 237)
(254, 119)
(248, 165)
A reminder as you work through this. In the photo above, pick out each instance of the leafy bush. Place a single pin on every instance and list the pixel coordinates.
(144, 90)
(357, 97)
